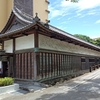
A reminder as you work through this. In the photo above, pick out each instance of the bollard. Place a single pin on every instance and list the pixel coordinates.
(90, 69)
(94, 67)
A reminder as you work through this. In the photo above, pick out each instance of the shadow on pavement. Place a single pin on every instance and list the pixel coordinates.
(89, 90)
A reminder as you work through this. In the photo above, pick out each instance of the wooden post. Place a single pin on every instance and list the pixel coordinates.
(90, 69)
(2, 45)
(35, 54)
(9, 68)
(14, 69)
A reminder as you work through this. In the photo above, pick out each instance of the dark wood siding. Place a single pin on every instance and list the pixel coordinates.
(24, 65)
(52, 65)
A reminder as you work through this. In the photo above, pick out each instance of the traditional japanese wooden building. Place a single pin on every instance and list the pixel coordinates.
(34, 50)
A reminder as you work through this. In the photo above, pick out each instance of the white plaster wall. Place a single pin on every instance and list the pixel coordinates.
(55, 44)
(8, 46)
(25, 42)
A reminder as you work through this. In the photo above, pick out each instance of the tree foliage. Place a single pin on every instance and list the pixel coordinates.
(88, 39)
(97, 41)
(85, 38)
(73, 0)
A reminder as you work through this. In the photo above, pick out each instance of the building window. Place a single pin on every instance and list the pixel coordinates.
(91, 60)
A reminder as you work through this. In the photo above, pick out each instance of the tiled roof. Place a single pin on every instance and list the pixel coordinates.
(30, 21)
(59, 31)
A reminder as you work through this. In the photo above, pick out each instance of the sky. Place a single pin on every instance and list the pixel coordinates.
(76, 18)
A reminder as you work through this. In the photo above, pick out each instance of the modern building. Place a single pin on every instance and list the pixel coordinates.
(28, 6)
(35, 50)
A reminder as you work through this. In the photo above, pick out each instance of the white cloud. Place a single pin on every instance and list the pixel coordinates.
(55, 13)
(92, 12)
(62, 7)
(94, 37)
(82, 4)
(68, 4)
(88, 4)
(56, 10)
(97, 22)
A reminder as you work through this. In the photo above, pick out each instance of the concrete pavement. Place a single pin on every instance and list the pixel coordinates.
(85, 87)
(24, 88)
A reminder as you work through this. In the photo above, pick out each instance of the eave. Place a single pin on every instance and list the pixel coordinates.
(43, 28)
(16, 18)
(64, 36)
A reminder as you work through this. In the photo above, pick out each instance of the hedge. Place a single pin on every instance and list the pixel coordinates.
(6, 81)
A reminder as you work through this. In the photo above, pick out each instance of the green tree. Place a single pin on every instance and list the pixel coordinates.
(97, 41)
(85, 38)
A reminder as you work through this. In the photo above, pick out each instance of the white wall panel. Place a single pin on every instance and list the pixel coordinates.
(55, 44)
(8, 46)
(25, 42)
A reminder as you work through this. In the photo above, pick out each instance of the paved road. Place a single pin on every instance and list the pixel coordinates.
(85, 87)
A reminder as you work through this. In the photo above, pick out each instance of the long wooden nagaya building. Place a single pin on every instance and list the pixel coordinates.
(36, 51)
